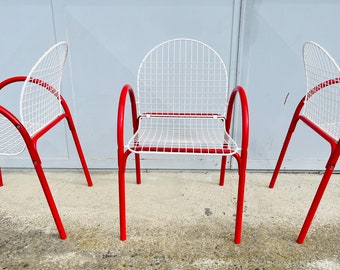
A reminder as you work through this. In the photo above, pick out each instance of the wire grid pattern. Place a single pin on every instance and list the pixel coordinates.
(40, 96)
(182, 100)
(11, 142)
(182, 75)
(322, 101)
(183, 135)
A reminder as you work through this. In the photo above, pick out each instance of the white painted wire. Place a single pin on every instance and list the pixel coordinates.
(39, 106)
(182, 95)
(168, 134)
(182, 76)
(323, 107)
(11, 142)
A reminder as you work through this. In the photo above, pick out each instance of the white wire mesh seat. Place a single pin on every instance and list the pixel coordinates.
(320, 110)
(195, 135)
(182, 107)
(41, 108)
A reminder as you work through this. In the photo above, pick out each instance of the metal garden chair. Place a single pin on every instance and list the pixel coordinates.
(320, 110)
(41, 108)
(182, 107)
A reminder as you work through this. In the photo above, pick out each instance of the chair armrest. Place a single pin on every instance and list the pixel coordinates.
(245, 115)
(8, 81)
(127, 89)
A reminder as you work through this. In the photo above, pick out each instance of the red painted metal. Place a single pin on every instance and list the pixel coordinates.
(123, 154)
(172, 114)
(182, 150)
(76, 140)
(333, 159)
(241, 158)
(331, 163)
(37, 165)
(31, 144)
(1, 182)
(12, 80)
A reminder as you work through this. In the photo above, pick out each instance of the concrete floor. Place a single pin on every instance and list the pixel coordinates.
(176, 220)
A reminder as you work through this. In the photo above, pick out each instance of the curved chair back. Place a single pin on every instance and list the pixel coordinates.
(41, 108)
(322, 101)
(182, 76)
(40, 96)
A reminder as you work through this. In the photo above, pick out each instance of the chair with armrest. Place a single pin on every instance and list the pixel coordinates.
(182, 107)
(41, 108)
(319, 109)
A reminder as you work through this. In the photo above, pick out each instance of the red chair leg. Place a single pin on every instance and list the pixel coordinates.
(122, 204)
(283, 152)
(121, 190)
(50, 200)
(72, 128)
(314, 206)
(291, 129)
(223, 168)
(240, 201)
(79, 150)
(138, 172)
(319, 193)
(1, 183)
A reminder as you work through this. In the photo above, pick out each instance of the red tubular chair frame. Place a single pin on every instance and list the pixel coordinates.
(240, 157)
(330, 165)
(31, 144)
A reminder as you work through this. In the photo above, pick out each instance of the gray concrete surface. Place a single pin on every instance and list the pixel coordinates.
(176, 220)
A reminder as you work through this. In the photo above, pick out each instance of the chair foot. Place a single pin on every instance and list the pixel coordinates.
(62, 235)
(300, 240)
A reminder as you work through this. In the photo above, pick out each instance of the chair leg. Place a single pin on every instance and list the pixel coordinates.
(122, 157)
(121, 190)
(223, 168)
(50, 200)
(319, 193)
(314, 206)
(283, 151)
(240, 201)
(122, 204)
(79, 150)
(1, 182)
(138, 172)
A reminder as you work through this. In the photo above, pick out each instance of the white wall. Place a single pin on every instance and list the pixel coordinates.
(260, 42)
(271, 69)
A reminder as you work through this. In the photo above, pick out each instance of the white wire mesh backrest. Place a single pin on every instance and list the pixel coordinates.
(322, 102)
(40, 96)
(182, 76)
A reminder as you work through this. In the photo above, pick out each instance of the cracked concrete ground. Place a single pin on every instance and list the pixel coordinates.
(175, 220)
